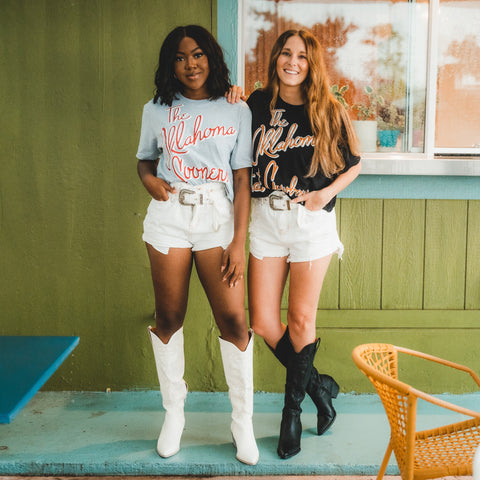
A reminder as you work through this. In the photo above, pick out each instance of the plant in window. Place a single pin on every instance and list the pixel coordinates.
(338, 93)
(390, 118)
(391, 122)
(368, 110)
(366, 123)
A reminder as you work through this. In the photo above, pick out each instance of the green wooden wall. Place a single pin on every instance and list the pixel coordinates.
(75, 75)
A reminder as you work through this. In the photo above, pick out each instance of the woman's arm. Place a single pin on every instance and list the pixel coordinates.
(317, 199)
(233, 262)
(156, 187)
(235, 94)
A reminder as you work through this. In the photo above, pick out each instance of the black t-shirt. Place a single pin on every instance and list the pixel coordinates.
(283, 149)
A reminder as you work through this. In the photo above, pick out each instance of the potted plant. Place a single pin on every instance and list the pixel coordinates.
(368, 110)
(366, 123)
(391, 122)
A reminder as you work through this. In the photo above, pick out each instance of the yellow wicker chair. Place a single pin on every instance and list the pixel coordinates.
(442, 451)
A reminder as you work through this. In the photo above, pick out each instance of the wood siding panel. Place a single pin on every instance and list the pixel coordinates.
(329, 298)
(430, 331)
(285, 295)
(472, 293)
(361, 266)
(403, 254)
(445, 253)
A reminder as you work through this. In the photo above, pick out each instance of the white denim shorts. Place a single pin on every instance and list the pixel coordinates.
(197, 217)
(279, 228)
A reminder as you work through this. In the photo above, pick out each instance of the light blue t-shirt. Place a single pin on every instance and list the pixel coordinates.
(197, 141)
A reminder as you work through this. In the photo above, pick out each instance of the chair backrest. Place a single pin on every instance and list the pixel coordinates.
(379, 362)
(381, 356)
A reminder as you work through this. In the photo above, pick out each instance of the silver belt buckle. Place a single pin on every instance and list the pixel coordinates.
(185, 192)
(278, 202)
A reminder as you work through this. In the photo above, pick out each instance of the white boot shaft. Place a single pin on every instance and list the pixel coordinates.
(238, 368)
(170, 363)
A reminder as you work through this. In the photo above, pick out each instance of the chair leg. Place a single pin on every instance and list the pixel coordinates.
(386, 458)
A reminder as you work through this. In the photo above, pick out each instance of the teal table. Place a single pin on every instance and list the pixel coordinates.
(26, 363)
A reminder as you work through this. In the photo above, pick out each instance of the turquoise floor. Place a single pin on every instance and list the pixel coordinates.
(75, 433)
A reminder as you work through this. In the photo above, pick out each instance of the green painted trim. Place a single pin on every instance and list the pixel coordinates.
(399, 319)
(472, 297)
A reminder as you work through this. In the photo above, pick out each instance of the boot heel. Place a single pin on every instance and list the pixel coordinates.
(334, 389)
(327, 383)
(327, 390)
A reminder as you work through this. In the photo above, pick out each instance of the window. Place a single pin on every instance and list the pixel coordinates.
(409, 72)
(457, 118)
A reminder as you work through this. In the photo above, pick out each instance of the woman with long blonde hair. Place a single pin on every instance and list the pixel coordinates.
(304, 153)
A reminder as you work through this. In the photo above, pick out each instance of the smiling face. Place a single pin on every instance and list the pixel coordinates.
(292, 63)
(191, 69)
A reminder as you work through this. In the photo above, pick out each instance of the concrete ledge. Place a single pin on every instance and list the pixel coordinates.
(81, 433)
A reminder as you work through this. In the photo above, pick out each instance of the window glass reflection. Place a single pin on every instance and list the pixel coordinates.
(377, 49)
(458, 96)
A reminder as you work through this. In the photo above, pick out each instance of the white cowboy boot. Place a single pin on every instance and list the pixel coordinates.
(238, 368)
(170, 362)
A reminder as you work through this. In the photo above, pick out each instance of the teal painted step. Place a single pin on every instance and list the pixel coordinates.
(81, 433)
(26, 363)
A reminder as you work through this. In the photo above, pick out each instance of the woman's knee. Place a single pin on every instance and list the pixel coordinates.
(260, 329)
(233, 326)
(300, 322)
(271, 331)
(168, 322)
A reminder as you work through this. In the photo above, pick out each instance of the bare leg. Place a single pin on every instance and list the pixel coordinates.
(171, 276)
(228, 304)
(306, 280)
(266, 282)
(171, 279)
(236, 347)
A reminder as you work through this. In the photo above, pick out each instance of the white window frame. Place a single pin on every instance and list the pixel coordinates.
(430, 162)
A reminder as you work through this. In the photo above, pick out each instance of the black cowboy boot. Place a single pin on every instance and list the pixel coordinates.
(299, 368)
(320, 387)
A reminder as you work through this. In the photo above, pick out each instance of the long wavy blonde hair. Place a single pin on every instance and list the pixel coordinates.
(328, 118)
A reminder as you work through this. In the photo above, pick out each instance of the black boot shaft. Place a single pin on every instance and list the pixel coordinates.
(299, 367)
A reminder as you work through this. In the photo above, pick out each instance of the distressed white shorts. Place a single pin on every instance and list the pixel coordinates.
(197, 217)
(279, 228)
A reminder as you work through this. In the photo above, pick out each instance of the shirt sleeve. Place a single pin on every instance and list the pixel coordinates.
(241, 156)
(350, 159)
(253, 98)
(148, 144)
